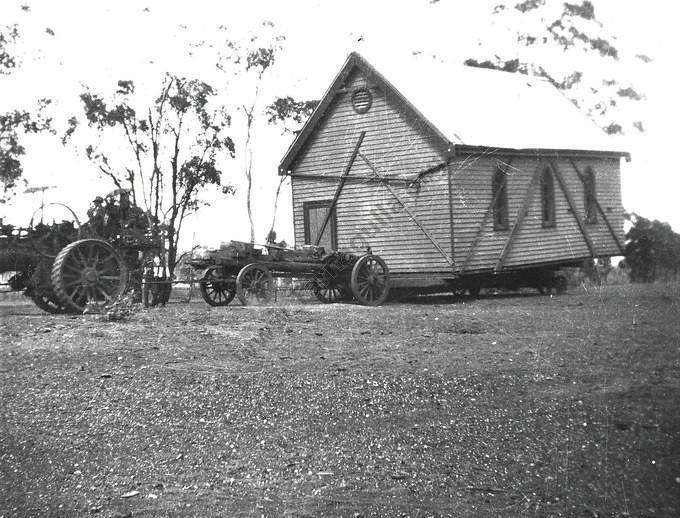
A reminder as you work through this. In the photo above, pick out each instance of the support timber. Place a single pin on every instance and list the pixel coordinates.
(599, 209)
(408, 211)
(524, 209)
(338, 190)
(573, 208)
(489, 211)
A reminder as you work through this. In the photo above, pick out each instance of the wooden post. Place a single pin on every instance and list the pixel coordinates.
(572, 206)
(408, 211)
(451, 212)
(520, 218)
(599, 209)
(338, 190)
(489, 211)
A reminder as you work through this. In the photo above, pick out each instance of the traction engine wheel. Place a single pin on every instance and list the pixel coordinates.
(214, 291)
(254, 284)
(48, 303)
(88, 270)
(370, 280)
(329, 283)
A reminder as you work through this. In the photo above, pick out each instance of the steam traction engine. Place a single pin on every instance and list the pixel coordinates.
(66, 266)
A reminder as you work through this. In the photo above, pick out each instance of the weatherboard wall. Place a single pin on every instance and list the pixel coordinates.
(368, 214)
(400, 147)
(533, 244)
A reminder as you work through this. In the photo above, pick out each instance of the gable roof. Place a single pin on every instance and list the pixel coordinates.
(469, 108)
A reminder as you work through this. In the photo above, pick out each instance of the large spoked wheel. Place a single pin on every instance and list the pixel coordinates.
(254, 285)
(370, 280)
(88, 271)
(215, 291)
(330, 282)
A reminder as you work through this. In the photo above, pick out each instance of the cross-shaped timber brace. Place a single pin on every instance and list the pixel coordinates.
(405, 207)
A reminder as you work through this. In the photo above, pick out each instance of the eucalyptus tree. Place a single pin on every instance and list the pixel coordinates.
(166, 151)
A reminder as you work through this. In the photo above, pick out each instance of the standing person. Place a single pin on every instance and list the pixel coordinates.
(96, 215)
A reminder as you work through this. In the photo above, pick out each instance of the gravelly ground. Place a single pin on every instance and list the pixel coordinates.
(500, 406)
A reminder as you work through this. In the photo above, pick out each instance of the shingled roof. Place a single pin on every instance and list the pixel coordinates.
(470, 107)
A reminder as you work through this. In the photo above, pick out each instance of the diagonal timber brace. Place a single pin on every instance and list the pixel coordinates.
(600, 210)
(338, 189)
(408, 211)
(489, 211)
(524, 209)
(573, 208)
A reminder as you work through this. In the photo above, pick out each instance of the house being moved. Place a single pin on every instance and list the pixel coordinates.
(456, 175)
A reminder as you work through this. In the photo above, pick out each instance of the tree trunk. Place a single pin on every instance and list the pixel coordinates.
(248, 196)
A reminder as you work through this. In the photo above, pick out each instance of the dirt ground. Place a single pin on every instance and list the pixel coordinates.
(521, 405)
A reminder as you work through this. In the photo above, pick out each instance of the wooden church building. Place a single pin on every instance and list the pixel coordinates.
(460, 175)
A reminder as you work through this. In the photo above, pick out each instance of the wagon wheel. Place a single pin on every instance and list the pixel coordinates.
(329, 283)
(254, 283)
(216, 292)
(89, 270)
(370, 280)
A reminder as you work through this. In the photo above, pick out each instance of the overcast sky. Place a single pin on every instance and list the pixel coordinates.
(96, 43)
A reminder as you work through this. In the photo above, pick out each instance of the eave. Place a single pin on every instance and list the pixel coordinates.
(465, 149)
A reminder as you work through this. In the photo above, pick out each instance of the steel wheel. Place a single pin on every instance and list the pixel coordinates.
(370, 280)
(88, 271)
(214, 291)
(329, 283)
(254, 284)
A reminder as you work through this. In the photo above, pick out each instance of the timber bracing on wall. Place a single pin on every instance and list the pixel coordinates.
(572, 207)
(338, 190)
(599, 209)
(406, 209)
(489, 211)
(524, 209)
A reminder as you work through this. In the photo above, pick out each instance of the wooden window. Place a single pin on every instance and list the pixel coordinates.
(314, 215)
(548, 198)
(590, 196)
(499, 191)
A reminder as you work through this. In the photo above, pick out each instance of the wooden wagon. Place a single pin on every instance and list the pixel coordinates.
(460, 178)
(248, 271)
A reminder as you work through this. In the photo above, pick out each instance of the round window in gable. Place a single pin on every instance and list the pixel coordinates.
(362, 100)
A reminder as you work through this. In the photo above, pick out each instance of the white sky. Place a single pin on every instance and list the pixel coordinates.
(97, 43)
